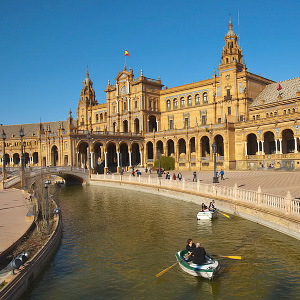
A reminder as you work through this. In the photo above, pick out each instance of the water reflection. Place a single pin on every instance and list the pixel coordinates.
(116, 241)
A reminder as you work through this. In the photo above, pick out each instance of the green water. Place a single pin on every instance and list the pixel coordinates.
(115, 241)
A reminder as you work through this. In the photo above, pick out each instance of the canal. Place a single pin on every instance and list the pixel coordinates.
(115, 241)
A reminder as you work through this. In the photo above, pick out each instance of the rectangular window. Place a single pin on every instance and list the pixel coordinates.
(203, 120)
(242, 118)
(150, 104)
(219, 120)
(171, 124)
(135, 104)
(229, 110)
(186, 122)
(66, 145)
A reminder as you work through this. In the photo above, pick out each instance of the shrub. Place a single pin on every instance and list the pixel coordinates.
(166, 162)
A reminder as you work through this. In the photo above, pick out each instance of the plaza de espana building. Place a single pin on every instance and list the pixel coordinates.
(252, 120)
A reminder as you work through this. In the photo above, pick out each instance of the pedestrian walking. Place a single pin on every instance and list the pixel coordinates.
(222, 174)
(194, 176)
(179, 176)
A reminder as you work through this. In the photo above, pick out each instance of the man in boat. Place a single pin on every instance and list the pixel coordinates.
(203, 207)
(211, 206)
(190, 247)
(199, 255)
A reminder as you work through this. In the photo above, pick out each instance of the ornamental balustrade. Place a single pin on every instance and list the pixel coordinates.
(287, 205)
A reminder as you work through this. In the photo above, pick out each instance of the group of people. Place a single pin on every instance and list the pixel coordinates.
(221, 174)
(196, 253)
(211, 207)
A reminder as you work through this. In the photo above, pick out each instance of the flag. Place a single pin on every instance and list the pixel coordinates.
(126, 53)
(279, 87)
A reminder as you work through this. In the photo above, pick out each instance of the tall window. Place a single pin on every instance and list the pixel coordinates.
(150, 104)
(229, 110)
(168, 104)
(197, 99)
(189, 99)
(175, 103)
(97, 118)
(205, 98)
(203, 120)
(171, 124)
(182, 102)
(101, 117)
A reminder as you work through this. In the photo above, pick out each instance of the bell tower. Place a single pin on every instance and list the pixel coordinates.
(86, 102)
(231, 54)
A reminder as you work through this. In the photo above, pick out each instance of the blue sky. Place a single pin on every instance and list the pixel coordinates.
(47, 45)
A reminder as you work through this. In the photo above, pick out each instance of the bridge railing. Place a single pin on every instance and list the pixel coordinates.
(287, 205)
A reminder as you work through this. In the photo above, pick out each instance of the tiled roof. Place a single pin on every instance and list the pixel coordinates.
(270, 93)
(30, 129)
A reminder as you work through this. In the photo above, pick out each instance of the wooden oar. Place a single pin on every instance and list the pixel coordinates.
(224, 215)
(230, 256)
(167, 269)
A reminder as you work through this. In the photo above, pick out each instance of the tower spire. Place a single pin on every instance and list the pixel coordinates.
(87, 71)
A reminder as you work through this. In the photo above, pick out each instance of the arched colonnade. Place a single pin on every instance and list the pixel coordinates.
(271, 142)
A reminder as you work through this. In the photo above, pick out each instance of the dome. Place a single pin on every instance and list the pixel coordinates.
(230, 33)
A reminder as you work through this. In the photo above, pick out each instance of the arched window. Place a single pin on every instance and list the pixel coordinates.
(271, 114)
(293, 110)
(101, 117)
(175, 103)
(105, 117)
(289, 111)
(189, 99)
(267, 115)
(97, 118)
(205, 98)
(284, 111)
(197, 99)
(182, 102)
(168, 104)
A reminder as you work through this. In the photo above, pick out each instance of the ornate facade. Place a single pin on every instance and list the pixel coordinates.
(252, 120)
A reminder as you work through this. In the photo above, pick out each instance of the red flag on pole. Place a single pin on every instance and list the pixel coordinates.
(126, 53)
(279, 87)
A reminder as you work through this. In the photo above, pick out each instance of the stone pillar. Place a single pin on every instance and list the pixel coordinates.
(280, 146)
(105, 160)
(288, 203)
(246, 153)
(258, 153)
(141, 158)
(92, 160)
(276, 149)
(157, 124)
(262, 148)
(129, 155)
(118, 159)
(296, 146)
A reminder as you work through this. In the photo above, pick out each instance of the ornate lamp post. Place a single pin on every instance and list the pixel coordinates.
(214, 149)
(158, 155)
(121, 164)
(47, 183)
(21, 133)
(89, 150)
(3, 160)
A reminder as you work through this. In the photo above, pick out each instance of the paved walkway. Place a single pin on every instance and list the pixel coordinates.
(271, 182)
(13, 220)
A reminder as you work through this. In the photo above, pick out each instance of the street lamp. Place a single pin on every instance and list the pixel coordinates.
(158, 155)
(21, 133)
(89, 139)
(3, 160)
(214, 149)
(47, 183)
(121, 164)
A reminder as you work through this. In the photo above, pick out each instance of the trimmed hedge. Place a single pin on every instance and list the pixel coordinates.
(166, 162)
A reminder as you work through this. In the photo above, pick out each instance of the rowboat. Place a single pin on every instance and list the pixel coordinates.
(206, 215)
(207, 270)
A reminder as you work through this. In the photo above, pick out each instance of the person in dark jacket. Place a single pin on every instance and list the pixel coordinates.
(199, 255)
(190, 247)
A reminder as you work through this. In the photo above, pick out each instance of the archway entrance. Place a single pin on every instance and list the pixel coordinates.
(54, 156)
(251, 144)
(112, 157)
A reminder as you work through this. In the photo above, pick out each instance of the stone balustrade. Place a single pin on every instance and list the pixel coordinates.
(287, 205)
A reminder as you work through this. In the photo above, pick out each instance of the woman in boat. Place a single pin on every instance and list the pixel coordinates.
(203, 207)
(199, 255)
(190, 247)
